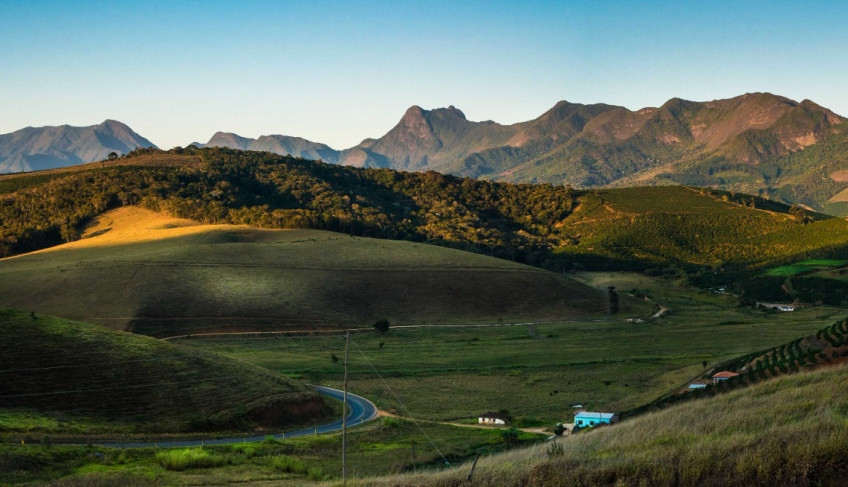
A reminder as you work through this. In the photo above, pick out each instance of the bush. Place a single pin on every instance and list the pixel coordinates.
(555, 450)
(179, 460)
(510, 435)
(285, 463)
(382, 325)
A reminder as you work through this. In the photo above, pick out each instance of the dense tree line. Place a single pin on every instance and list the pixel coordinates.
(540, 224)
(271, 191)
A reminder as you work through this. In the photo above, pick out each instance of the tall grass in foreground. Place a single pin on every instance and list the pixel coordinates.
(791, 430)
(179, 460)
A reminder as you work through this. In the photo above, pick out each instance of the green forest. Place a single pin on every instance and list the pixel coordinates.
(554, 227)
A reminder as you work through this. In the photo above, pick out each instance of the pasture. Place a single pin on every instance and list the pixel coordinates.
(807, 266)
(536, 371)
(388, 446)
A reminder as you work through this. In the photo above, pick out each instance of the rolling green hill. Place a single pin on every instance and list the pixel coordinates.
(61, 377)
(162, 276)
(683, 226)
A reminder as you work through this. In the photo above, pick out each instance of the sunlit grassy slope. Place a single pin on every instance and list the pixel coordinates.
(673, 225)
(792, 430)
(64, 377)
(162, 276)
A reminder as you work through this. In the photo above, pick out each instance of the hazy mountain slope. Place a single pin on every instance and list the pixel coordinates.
(428, 140)
(277, 144)
(36, 148)
(620, 144)
(603, 145)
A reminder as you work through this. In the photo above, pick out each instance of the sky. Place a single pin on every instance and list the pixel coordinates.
(340, 71)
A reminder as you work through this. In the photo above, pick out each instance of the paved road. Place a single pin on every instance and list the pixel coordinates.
(361, 410)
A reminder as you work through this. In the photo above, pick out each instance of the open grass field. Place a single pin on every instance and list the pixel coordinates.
(162, 276)
(789, 431)
(70, 380)
(538, 371)
(382, 448)
(806, 266)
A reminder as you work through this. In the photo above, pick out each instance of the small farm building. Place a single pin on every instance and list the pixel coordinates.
(697, 386)
(491, 418)
(585, 419)
(723, 376)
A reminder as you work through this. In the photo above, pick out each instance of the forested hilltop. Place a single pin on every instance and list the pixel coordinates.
(549, 226)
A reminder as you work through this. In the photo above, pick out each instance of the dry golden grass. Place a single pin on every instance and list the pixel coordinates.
(133, 224)
(787, 431)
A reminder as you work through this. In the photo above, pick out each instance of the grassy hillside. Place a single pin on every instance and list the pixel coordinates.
(790, 431)
(692, 227)
(163, 276)
(64, 377)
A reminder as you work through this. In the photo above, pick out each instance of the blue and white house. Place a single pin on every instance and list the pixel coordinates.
(587, 419)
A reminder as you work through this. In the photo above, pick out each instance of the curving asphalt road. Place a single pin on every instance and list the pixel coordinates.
(361, 410)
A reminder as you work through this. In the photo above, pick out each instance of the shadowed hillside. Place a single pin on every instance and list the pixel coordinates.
(64, 377)
(164, 276)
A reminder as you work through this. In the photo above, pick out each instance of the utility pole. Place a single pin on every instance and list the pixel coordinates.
(344, 414)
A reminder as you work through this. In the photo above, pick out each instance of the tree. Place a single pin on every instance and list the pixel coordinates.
(510, 435)
(613, 300)
(382, 325)
(112, 156)
(559, 429)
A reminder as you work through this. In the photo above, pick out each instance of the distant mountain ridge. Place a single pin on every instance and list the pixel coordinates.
(277, 144)
(36, 148)
(592, 145)
(757, 143)
(584, 145)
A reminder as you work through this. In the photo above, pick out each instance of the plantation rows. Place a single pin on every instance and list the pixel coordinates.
(758, 366)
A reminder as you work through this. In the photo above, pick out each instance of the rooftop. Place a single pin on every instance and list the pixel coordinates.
(592, 415)
(725, 375)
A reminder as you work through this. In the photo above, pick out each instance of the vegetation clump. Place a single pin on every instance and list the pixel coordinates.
(189, 458)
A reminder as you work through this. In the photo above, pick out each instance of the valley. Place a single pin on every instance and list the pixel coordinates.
(203, 293)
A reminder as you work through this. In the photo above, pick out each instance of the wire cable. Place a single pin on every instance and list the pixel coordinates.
(408, 414)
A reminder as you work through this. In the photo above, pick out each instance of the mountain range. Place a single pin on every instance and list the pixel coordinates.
(36, 148)
(757, 143)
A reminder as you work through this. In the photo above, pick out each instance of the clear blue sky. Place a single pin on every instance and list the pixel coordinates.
(337, 71)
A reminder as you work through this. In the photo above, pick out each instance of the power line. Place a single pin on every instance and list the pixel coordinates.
(408, 414)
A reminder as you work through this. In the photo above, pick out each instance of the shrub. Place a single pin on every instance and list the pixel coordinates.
(510, 435)
(285, 463)
(179, 460)
(555, 450)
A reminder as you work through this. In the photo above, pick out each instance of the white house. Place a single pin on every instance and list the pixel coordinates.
(491, 418)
